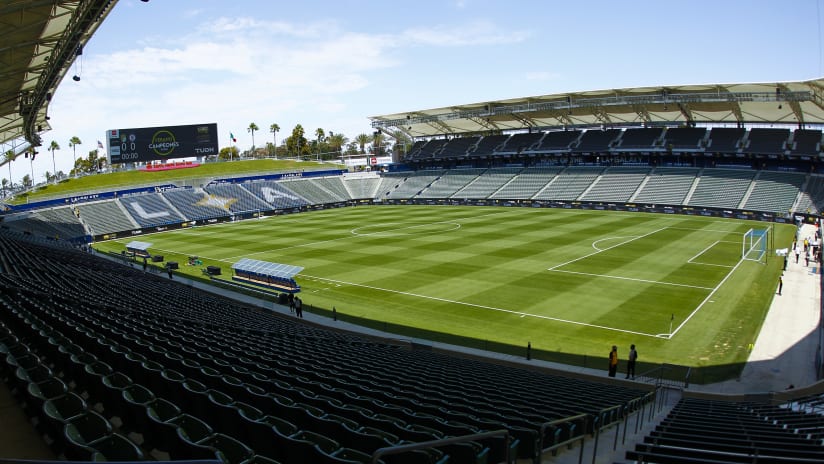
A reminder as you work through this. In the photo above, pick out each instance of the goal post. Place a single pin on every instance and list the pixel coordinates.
(754, 245)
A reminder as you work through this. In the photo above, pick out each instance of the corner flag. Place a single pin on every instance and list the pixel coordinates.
(232, 136)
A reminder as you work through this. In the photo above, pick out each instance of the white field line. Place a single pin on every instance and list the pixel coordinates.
(605, 249)
(595, 243)
(355, 233)
(692, 260)
(701, 305)
(656, 282)
(490, 308)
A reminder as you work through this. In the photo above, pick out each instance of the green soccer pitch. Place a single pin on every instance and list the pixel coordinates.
(571, 283)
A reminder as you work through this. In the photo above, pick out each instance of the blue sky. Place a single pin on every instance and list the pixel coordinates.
(333, 64)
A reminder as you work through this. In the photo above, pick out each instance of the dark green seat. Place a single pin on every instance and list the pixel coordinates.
(82, 432)
(116, 447)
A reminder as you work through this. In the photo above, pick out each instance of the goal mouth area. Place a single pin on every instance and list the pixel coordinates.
(754, 245)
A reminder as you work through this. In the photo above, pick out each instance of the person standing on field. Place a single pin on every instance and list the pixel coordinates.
(613, 361)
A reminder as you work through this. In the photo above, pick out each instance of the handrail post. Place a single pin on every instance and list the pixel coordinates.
(600, 425)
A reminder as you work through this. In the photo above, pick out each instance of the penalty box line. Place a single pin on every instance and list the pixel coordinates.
(607, 248)
(490, 308)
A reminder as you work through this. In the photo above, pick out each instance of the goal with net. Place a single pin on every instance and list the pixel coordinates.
(754, 245)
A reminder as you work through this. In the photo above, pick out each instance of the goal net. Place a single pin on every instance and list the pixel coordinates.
(754, 245)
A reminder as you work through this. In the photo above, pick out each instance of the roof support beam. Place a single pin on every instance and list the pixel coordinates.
(484, 122)
(686, 111)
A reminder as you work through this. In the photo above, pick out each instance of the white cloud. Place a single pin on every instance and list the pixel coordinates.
(474, 33)
(542, 75)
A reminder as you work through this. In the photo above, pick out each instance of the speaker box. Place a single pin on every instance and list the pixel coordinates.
(172, 264)
(157, 258)
(212, 270)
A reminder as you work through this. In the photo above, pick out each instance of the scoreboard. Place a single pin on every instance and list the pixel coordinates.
(160, 143)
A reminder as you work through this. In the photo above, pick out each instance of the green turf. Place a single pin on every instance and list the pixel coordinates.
(133, 178)
(569, 282)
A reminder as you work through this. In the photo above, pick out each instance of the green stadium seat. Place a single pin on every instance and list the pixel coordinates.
(158, 432)
(190, 431)
(57, 412)
(39, 392)
(82, 432)
(132, 408)
(231, 450)
(346, 456)
(116, 447)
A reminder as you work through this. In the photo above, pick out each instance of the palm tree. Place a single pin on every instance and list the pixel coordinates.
(377, 142)
(251, 129)
(337, 141)
(319, 134)
(5, 185)
(274, 128)
(362, 140)
(73, 143)
(52, 147)
(9, 158)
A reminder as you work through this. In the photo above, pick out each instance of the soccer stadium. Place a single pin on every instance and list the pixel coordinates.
(454, 301)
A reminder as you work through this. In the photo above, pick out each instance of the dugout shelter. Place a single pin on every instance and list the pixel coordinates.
(266, 274)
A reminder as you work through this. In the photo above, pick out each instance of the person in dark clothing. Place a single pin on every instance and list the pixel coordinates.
(298, 307)
(633, 356)
(613, 361)
(292, 303)
(169, 270)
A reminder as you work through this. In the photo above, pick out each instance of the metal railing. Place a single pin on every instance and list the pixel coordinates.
(390, 450)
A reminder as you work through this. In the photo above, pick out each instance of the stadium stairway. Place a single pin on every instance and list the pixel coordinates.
(613, 443)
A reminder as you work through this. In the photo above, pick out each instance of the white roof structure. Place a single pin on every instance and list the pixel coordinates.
(39, 41)
(797, 103)
(138, 246)
(255, 266)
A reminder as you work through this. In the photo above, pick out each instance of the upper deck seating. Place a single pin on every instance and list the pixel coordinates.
(458, 147)
(558, 141)
(596, 141)
(489, 144)
(638, 139)
(521, 142)
(806, 142)
(725, 139)
(684, 138)
(766, 141)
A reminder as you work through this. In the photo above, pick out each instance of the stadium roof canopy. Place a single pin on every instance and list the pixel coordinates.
(39, 41)
(797, 103)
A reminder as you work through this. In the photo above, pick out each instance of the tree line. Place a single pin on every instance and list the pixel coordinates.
(323, 145)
